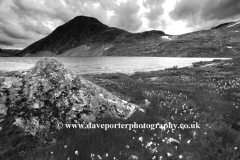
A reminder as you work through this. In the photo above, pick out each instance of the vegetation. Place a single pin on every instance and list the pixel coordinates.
(205, 94)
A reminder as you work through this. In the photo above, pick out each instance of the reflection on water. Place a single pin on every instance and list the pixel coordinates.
(83, 65)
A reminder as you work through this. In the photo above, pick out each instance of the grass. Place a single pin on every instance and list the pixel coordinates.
(179, 96)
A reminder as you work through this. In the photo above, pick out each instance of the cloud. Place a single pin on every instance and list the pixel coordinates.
(15, 35)
(30, 20)
(197, 13)
(1, 1)
(222, 10)
(61, 10)
(13, 32)
(8, 41)
(38, 28)
(4, 42)
(126, 16)
(29, 8)
(16, 38)
(154, 15)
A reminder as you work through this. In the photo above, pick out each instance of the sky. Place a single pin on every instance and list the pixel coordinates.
(23, 22)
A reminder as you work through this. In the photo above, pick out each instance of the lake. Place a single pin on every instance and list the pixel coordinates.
(95, 65)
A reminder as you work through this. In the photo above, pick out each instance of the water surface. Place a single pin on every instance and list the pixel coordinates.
(94, 65)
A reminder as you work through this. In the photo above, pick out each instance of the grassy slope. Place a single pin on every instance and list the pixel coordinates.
(208, 95)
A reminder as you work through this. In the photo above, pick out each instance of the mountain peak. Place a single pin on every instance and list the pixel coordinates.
(81, 30)
(87, 36)
(84, 18)
(85, 25)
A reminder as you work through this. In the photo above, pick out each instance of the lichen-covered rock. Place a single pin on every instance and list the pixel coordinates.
(3, 111)
(49, 94)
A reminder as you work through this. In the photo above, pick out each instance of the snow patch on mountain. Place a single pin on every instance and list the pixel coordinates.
(234, 24)
(166, 38)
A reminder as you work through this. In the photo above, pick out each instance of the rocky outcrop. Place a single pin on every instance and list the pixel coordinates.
(49, 94)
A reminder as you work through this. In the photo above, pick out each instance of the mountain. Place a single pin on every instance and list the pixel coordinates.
(8, 52)
(86, 36)
(226, 25)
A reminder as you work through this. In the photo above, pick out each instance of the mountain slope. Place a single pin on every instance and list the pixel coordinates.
(86, 36)
(8, 52)
(221, 41)
(79, 31)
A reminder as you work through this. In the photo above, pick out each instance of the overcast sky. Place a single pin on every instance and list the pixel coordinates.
(23, 22)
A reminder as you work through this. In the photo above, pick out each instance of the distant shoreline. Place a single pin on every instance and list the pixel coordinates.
(99, 65)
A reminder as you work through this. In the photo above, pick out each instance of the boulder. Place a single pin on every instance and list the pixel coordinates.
(3, 111)
(133, 157)
(49, 94)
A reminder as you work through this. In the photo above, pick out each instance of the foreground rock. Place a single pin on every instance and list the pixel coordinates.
(49, 94)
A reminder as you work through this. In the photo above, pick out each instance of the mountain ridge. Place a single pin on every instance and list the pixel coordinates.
(87, 36)
(77, 31)
(9, 52)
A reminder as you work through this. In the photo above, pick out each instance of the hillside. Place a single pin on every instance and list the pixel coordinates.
(205, 95)
(86, 36)
(8, 52)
